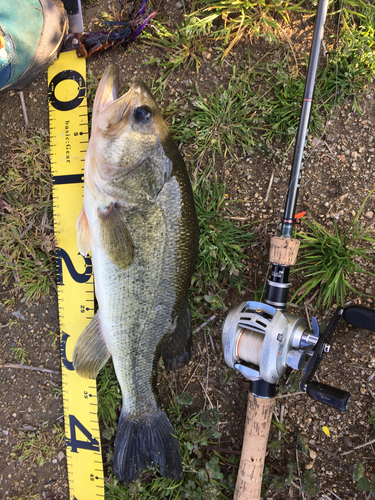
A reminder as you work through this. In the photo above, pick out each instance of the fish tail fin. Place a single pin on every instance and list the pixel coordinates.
(141, 443)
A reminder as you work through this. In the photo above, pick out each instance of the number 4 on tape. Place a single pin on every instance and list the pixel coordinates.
(68, 142)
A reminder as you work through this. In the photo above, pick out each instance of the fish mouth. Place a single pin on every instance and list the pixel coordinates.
(110, 109)
(107, 90)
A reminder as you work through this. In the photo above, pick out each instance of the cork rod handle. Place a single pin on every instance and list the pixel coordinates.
(257, 427)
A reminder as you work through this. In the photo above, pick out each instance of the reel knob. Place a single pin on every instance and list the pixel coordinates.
(295, 359)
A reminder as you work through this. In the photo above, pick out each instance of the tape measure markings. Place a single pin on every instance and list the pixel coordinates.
(68, 144)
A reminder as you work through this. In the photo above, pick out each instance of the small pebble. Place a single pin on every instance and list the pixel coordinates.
(347, 442)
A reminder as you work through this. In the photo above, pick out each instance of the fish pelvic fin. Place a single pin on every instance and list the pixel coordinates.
(90, 353)
(83, 234)
(141, 443)
(115, 237)
(177, 350)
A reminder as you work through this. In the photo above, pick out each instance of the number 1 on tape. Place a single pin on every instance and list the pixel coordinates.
(68, 143)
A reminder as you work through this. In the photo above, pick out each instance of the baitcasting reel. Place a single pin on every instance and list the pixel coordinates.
(262, 342)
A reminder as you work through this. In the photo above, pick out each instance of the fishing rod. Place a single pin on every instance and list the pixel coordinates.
(262, 340)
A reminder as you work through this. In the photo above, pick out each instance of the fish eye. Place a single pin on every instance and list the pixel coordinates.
(142, 114)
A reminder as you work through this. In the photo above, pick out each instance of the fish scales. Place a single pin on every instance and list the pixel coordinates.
(139, 221)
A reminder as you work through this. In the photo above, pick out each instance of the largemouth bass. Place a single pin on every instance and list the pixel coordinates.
(139, 221)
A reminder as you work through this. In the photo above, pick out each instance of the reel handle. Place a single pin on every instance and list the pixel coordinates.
(258, 421)
(360, 316)
(328, 395)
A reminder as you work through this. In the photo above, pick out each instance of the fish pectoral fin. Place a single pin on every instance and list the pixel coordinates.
(83, 234)
(177, 349)
(115, 237)
(90, 353)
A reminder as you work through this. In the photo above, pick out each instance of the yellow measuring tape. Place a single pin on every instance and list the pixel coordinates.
(68, 144)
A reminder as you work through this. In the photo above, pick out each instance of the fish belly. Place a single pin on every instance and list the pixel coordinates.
(135, 304)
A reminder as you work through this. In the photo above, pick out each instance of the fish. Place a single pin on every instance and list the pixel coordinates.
(139, 221)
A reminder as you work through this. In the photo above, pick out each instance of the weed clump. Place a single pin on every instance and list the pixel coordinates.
(207, 472)
(27, 252)
(330, 261)
(221, 242)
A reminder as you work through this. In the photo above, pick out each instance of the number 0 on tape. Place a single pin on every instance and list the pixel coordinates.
(68, 143)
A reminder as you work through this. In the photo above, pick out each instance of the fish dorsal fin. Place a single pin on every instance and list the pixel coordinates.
(90, 353)
(115, 237)
(177, 349)
(83, 234)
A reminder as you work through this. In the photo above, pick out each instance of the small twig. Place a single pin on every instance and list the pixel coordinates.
(192, 375)
(208, 397)
(329, 149)
(26, 367)
(204, 324)
(238, 218)
(281, 419)
(269, 185)
(212, 342)
(208, 372)
(23, 106)
(4, 326)
(299, 474)
(308, 317)
(358, 447)
(62, 493)
(26, 230)
(334, 494)
(331, 455)
(279, 396)
(218, 424)
(313, 297)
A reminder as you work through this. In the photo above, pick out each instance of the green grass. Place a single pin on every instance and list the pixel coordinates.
(244, 17)
(109, 399)
(207, 473)
(363, 483)
(39, 446)
(223, 122)
(27, 252)
(180, 48)
(19, 352)
(261, 101)
(330, 261)
(221, 242)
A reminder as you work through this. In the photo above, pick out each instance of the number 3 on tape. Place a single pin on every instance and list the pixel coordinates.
(68, 142)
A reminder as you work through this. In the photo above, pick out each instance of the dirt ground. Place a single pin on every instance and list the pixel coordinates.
(339, 172)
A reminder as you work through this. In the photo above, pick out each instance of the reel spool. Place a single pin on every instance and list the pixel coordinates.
(262, 342)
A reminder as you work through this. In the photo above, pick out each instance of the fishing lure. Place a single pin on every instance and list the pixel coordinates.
(119, 33)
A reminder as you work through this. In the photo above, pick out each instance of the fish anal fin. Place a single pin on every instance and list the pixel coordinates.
(83, 234)
(115, 237)
(90, 353)
(177, 350)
